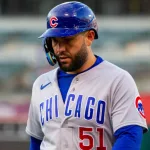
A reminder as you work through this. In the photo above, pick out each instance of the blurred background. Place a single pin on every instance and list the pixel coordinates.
(124, 39)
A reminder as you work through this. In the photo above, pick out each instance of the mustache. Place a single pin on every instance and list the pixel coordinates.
(62, 54)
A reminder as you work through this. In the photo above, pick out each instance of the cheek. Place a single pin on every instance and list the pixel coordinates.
(54, 51)
(74, 48)
(72, 52)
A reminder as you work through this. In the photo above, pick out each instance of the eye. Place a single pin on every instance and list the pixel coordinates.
(69, 40)
(54, 41)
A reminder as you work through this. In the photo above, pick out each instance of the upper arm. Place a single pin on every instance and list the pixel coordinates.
(35, 143)
(33, 127)
(126, 104)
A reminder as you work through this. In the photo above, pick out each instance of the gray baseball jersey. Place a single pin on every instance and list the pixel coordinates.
(99, 101)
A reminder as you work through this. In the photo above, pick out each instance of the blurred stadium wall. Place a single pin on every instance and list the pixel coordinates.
(124, 29)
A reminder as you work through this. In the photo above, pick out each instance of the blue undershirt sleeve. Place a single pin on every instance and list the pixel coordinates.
(34, 143)
(128, 138)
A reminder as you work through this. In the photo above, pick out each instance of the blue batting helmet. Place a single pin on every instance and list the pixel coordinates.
(68, 19)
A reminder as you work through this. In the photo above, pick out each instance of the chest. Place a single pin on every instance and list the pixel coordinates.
(84, 104)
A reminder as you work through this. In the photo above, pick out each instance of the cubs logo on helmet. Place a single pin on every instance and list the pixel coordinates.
(53, 21)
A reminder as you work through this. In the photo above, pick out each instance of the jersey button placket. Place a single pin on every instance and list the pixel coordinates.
(77, 79)
(73, 89)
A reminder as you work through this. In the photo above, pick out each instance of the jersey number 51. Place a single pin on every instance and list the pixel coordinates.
(83, 135)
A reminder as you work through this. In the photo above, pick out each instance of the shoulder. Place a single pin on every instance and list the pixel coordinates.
(108, 66)
(111, 70)
(45, 78)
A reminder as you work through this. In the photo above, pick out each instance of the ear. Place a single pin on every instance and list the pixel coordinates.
(89, 37)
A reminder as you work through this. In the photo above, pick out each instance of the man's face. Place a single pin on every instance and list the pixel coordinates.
(71, 52)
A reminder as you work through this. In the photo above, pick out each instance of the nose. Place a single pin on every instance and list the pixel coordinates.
(60, 47)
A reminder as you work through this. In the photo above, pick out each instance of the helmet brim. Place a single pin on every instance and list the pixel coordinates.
(59, 32)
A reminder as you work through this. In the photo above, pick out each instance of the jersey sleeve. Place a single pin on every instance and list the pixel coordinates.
(33, 127)
(126, 105)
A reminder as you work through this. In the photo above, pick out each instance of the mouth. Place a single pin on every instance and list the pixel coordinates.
(63, 59)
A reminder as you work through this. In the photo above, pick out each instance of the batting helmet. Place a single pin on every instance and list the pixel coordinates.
(68, 19)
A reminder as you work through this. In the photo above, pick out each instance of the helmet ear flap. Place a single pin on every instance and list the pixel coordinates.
(49, 52)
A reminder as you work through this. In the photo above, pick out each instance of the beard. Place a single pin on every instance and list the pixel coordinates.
(77, 61)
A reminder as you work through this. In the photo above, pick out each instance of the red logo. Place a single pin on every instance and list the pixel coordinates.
(139, 106)
(53, 22)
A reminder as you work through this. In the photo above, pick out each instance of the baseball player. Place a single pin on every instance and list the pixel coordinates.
(87, 103)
